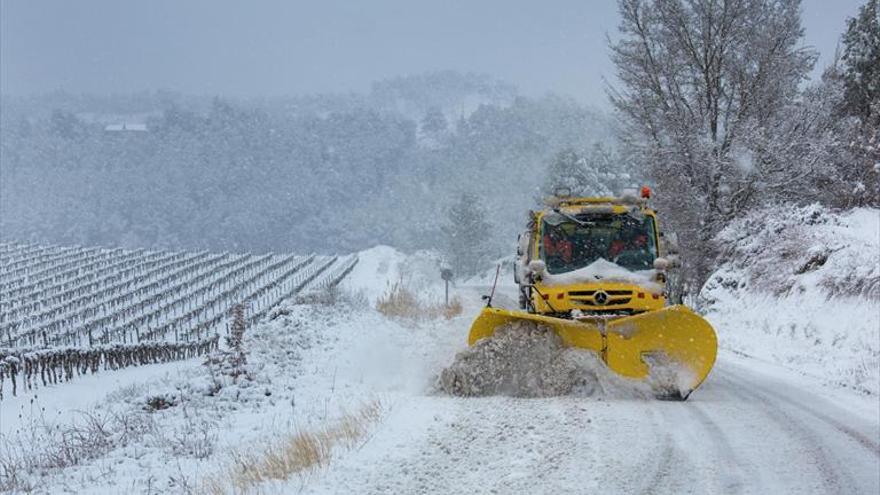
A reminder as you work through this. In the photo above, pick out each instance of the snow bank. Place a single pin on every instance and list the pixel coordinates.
(376, 269)
(380, 267)
(800, 287)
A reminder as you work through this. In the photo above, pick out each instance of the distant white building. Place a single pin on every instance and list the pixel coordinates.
(126, 127)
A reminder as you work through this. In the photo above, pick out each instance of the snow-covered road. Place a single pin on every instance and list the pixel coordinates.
(752, 428)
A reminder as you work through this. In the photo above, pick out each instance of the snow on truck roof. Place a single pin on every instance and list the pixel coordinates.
(629, 197)
(602, 204)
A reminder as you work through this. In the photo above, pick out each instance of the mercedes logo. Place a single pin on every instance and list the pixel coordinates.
(601, 297)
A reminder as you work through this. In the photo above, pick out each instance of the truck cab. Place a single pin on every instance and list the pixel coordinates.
(592, 256)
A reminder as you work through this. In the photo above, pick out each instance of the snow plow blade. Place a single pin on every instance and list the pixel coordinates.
(673, 340)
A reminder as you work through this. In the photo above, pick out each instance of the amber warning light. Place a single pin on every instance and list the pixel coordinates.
(646, 192)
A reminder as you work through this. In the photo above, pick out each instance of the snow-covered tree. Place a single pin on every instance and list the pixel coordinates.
(467, 235)
(612, 169)
(861, 63)
(829, 139)
(860, 75)
(434, 122)
(65, 124)
(570, 171)
(567, 170)
(703, 84)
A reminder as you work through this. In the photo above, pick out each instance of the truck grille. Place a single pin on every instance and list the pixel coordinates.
(588, 297)
(576, 293)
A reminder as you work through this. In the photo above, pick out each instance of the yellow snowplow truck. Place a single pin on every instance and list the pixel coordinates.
(594, 271)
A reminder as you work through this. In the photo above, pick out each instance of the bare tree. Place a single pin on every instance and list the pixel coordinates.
(704, 87)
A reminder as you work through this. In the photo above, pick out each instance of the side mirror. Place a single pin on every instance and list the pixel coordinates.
(522, 242)
(661, 264)
(670, 242)
(537, 267)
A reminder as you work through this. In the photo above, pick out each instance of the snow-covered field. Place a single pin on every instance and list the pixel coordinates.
(754, 427)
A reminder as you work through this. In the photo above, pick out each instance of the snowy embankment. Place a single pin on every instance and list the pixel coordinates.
(382, 266)
(801, 288)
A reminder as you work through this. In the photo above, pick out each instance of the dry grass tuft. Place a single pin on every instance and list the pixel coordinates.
(399, 301)
(298, 453)
(453, 309)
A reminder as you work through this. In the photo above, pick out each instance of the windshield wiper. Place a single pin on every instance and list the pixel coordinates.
(573, 219)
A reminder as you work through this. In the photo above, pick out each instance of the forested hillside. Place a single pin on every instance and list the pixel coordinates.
(324, 172)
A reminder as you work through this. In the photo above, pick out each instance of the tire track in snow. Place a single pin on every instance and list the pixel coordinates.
(684, 467)
(731, 478)
(632, 449)
(852, 433)
(670, 461)
(833, 478)
(670, 458)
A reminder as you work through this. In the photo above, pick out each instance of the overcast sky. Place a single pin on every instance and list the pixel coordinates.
(247, 48)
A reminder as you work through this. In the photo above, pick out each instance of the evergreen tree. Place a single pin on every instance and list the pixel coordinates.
(861, 59)
(467, 235)
(581, 176)
(612, 175)
(861, 99)
(434, 122)
(65, 124)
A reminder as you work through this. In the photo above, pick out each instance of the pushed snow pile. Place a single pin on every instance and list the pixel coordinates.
(526, 360)
(606, 271)
(801, 287)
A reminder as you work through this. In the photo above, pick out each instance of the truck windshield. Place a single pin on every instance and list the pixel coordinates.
(569, 243)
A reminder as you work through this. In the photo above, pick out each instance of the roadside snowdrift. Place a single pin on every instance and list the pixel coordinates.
(801, 287)
(380, 267)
